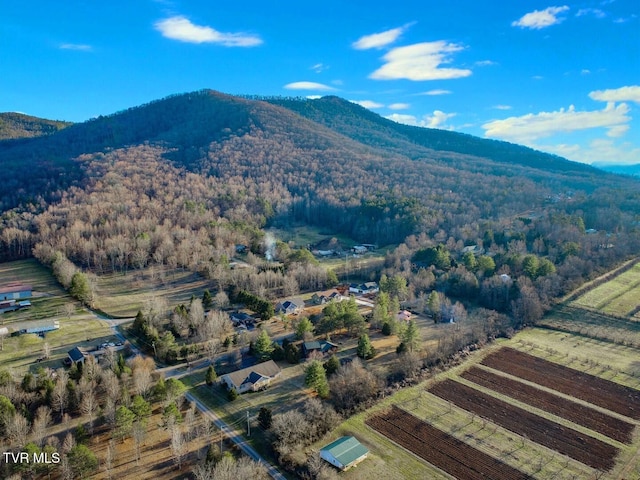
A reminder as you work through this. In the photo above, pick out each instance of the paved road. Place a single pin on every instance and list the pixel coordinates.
(235, 437)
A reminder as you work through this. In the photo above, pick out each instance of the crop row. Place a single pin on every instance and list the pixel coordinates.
(595, 390)
(580, 414)
(567, 441)
(441, 449)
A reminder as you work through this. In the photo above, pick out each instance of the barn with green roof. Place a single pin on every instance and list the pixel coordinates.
(344, 453)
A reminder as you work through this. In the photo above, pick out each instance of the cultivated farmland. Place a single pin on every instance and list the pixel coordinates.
(587, 450)
(597, 391)
(588, 417)
(441, 449)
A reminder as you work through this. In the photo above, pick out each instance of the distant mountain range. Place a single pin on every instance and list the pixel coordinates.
(621, 169)
(325, 161)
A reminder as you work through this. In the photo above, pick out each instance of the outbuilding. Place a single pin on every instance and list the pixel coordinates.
(344, 453)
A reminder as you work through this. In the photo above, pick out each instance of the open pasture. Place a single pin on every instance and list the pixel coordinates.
(619, 296)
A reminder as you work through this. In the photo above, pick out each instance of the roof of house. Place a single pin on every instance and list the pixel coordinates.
(346, 450)
(15, 287)
(77, 353)
(267, 369)
(323, 346)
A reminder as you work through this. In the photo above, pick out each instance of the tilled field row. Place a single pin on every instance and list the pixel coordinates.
(592, 389)
(567, 441)
(588, 417)
(441, 449)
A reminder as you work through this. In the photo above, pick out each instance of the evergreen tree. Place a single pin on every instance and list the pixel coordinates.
(411, 336)
(433, 304)
(207, 300)
(80, 288)
(332, 365)
(316, 378)
(365, 349)
(263, 346)
(210, 376)
(265, 417)
(304, 326)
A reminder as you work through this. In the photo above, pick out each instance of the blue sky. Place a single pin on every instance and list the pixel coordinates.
(562, 77)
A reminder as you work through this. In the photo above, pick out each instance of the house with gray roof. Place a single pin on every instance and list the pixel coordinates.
(254, 378)
(344, 453)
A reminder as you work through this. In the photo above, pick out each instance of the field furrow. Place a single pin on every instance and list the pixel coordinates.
(441, 449)
(591, 389)
(580, 414)
(569, 442)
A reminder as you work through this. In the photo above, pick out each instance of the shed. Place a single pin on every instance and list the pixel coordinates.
(15, 291)
(344, 453)
(77, 355)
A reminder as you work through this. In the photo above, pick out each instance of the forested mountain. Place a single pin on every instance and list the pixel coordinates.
(182, 179)
(17, 125)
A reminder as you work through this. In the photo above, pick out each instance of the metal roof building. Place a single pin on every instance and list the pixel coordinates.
(344, 453)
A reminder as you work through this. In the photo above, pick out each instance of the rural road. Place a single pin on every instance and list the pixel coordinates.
(235, 437)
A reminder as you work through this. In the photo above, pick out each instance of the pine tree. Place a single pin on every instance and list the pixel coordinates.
(365, 349)
(210, 376)
(316, 378)
(207, 300)
(411, 336)
(433, 304)
(263, 346)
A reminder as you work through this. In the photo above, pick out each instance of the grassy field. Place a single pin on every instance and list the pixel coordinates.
(619, 296)
(77, 327)
(604, 359)
(123, 295)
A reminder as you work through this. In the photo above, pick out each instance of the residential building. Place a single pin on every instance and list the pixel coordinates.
(257, 377)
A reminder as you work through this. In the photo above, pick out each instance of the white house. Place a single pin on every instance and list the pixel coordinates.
(257, 377)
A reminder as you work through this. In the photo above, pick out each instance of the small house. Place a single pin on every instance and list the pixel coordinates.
(404, 316)
(344, 453)
(322, 346)
(257, 377)
(359, 249)
(364, 288)
(321, 298)
(293, 306)
(77, 355)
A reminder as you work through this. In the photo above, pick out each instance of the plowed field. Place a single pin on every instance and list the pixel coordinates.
(441, 449)
(592, 389)
(580, 447)
(580, 414)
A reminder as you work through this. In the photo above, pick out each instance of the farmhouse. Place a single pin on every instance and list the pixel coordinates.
(293, 306)
(344, 453)
(321, 346)
(257, 377)
(15, 291)
(364, 288)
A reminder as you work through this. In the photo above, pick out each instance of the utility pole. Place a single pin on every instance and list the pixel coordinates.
(221, 437)
(248, 425)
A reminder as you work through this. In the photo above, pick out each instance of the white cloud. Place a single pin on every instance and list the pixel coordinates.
(437, 91)
(399, 106)
(379, 40)
(319, 67)
(367, 103)
(622, 94)
(180, 28)
(601, 150)
(75, 46)
(501, 107)
(528, 128)
(421, 61)
(308, 86)
(486, 63)
(541, 18)
(435, 120)
(585, 71)
(596, 12)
